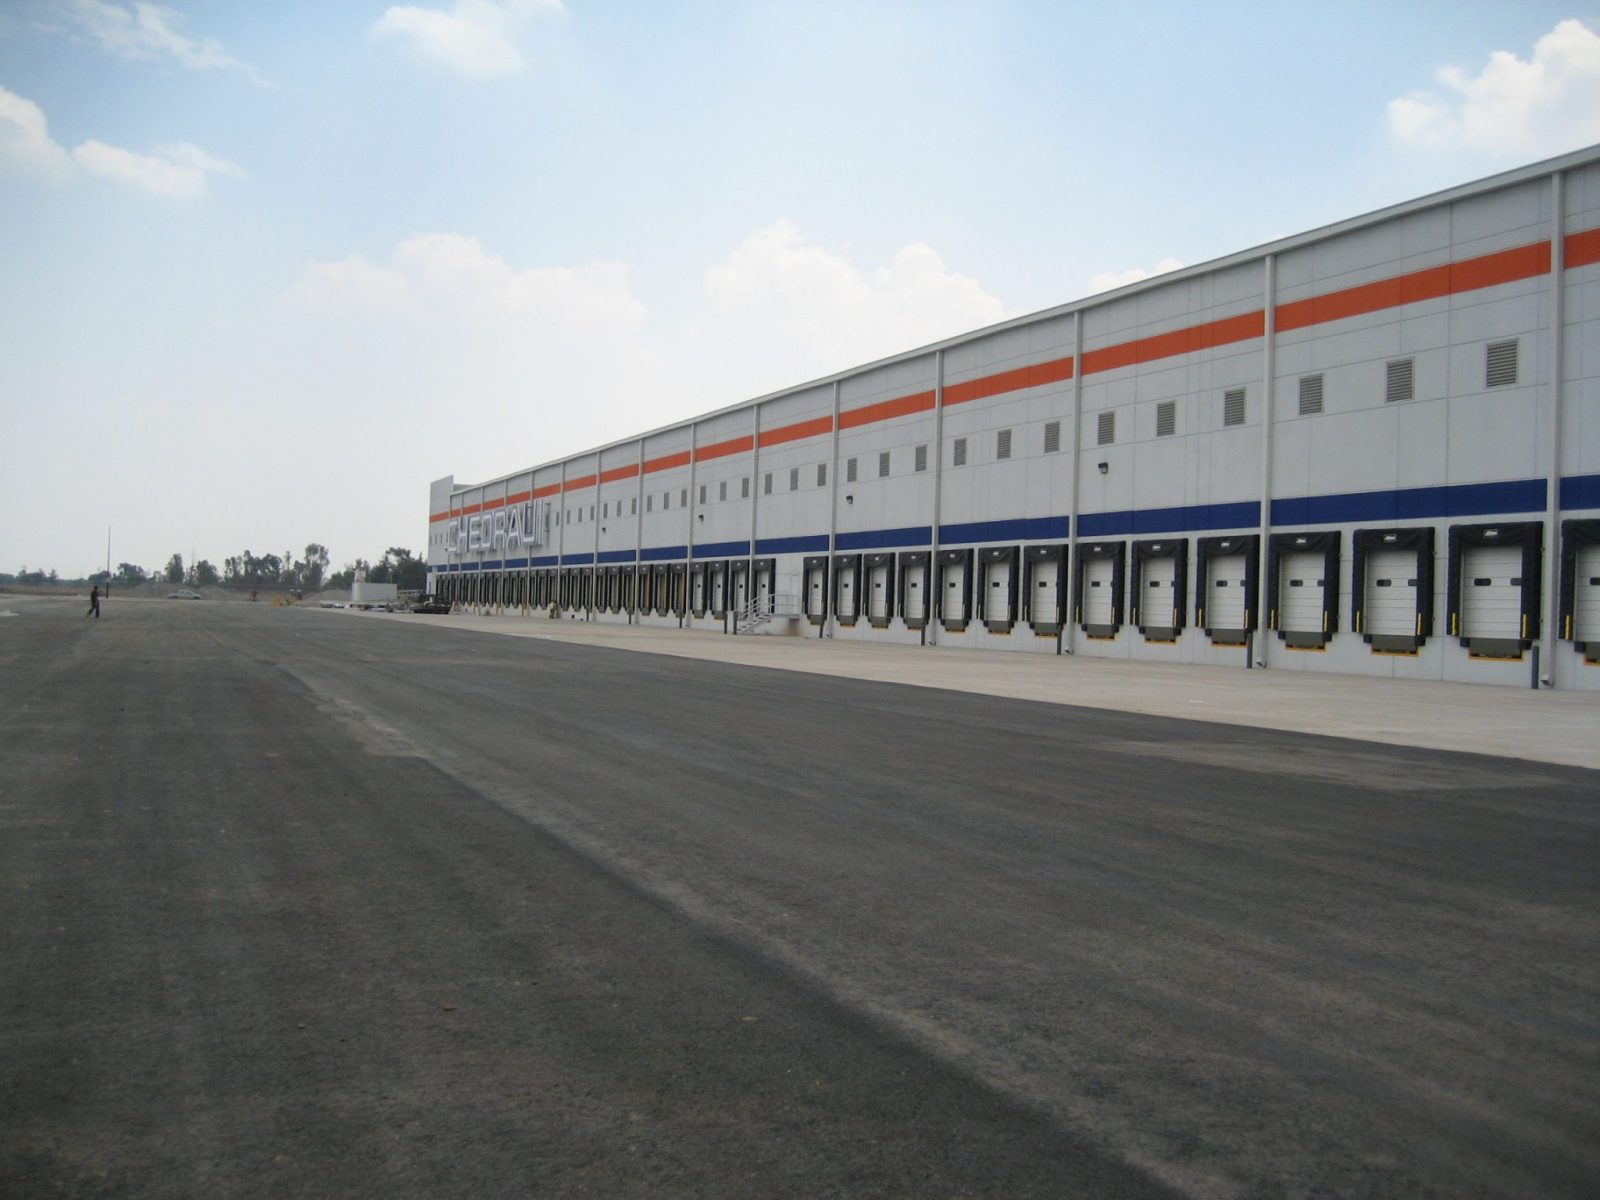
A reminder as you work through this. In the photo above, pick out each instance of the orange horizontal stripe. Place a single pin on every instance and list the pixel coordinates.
(666, 462)
(738, 445)
(885, 410)
(1468, 275)
(616, 473)
(797, 431)
(1180, 341)
(1581, 249)
(519, 497)
(1015, 380)
(578, 484)
(549, 489)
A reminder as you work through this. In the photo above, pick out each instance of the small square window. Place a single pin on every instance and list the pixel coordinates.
(959, 452)
(633, 507)
(822, 474)
(702, 493)
(1052, 437)
(722, 490)
(1399, 380)
(766, 484)
(922, 457)
(605, 510)
(1233, 406)
(650, 502)
(744, 487)
(794, 479)
(1106, 428)
(1166, 418)
(591, 512)
(1310, 395)
(666, 501)
(849, 470)
(883, 464)
(1002, 444)
(683, 497)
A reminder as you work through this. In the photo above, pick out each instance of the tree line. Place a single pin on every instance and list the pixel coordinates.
(309, 572)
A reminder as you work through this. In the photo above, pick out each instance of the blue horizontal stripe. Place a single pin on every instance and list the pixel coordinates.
(722, 550)
(792, 545)
(1580, 491)
(879, 539)
(1411, 504)
(547, 560)
(1193, 518)
(663, 553)
(616, 556)
(1021, 529)
(577, 560)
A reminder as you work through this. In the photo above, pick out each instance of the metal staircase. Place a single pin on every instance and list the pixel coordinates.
(763, 609)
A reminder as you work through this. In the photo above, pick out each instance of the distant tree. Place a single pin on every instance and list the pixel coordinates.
(233, 569)
(174, 571)
(203, 574)
(397, 566)
(99, 577)
(27, 576)
(313, 567)
(129, 574)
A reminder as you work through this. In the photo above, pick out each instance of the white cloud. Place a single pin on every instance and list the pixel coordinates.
(1107, 280)
(25, 142)
(178, 170)
(149, 31)
(437, 278)
(818, 311)
(1530, 108)
(475, 37)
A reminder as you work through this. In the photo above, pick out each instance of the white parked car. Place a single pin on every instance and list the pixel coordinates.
(183, 594)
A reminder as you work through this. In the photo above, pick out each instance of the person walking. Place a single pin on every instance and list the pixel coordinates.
(94, 603)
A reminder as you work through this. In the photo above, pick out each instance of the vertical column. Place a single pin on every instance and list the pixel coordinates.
(638, 535)
(1550, 620)
(1258, 641)
(561, 530)
(755, 500)
(827, 627)
(1070, 575)
(932, 588)
(694, 511)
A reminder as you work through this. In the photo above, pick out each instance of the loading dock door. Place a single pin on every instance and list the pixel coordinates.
(998, 591)
(849, 572)
(1586, 597)
(955, 576)
(1099, 592)
(1491, 592)
(1302, 593)
(1158, 607)
(764, 585)
(880, 592)
(1044, 590)
(816, 590)
(719, 588)
(1225, 608)
(1391, 593)
(914, 591)
(741, 585)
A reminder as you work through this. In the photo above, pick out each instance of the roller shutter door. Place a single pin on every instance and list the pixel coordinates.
(1391, 599)
(1491, 592)
(914, 598)
(1159, 604)
(997, 590)
(847, 591)
(1099, 591)
(1586, 596)
(879, 594)
(1302, 593)
(1226, 592)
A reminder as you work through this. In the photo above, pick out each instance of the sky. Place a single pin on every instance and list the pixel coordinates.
(268, 269)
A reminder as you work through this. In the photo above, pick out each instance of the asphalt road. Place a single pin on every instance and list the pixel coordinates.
(299, 904)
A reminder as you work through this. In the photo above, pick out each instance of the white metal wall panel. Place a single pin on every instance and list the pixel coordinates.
(1099, 591)
(1491, 591)
(1391, 593)
(1225, 593)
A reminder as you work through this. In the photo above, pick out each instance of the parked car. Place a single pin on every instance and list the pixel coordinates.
(183, 594)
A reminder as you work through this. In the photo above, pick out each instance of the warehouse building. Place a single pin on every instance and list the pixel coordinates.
(1371, 448)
